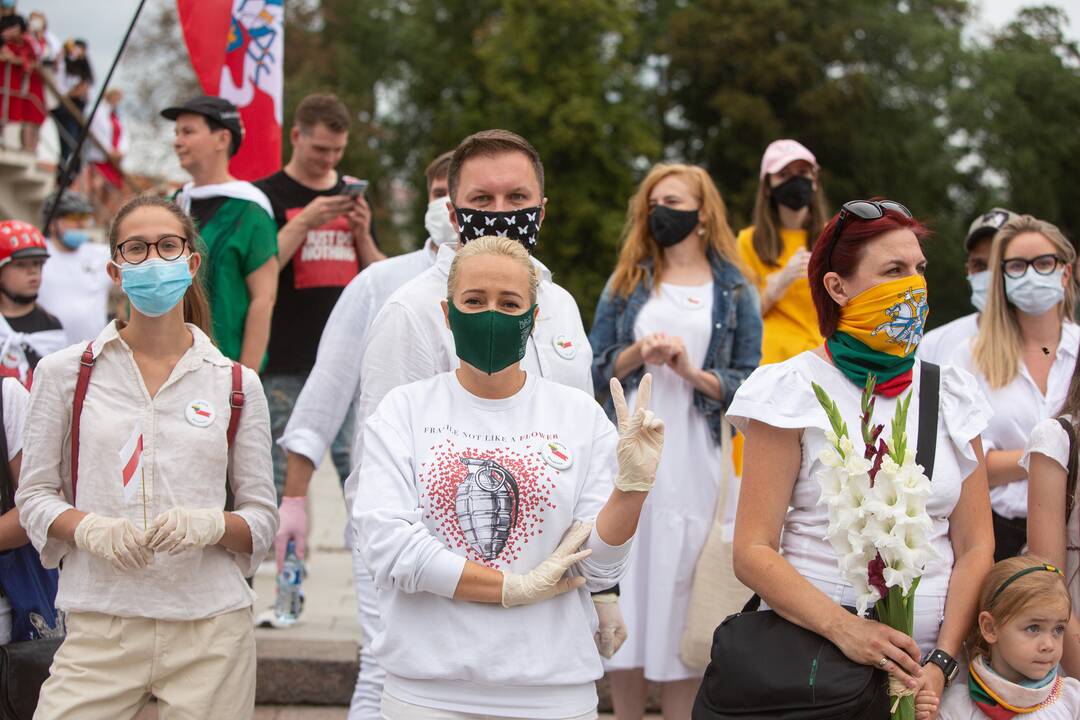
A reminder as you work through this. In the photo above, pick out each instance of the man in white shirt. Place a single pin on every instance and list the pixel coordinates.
(496, 183)
(334, 382)
(938, 344)
(74, 285)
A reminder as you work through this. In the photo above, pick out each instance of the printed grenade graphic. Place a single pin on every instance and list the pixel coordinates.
(487, 502)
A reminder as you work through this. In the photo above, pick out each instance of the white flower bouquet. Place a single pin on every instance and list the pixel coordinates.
(878, 524)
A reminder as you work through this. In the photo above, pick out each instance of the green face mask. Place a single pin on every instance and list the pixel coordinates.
(490, 341)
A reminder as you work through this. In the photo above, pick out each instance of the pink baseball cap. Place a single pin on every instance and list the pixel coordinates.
(780, 153)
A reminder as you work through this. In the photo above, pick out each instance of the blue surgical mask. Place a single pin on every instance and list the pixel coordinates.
(980, 283)
(155, 286)
(74, 237)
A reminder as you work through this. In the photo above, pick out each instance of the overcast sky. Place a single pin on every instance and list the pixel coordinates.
(102, 24)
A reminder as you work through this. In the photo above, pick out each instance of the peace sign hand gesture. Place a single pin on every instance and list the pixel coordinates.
(641, 438)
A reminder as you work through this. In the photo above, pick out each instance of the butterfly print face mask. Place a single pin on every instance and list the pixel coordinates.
(521, 225)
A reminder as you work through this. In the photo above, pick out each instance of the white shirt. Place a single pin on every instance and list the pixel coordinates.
(940, 343)
(102, 129)
(957, 703)
(429, 505)
(1018, 407)
(238, 189)
(184, 465)
(1050, 439)
(75, 288)
(334, 382)
(781, 395)
(409, 341)
(15, 399)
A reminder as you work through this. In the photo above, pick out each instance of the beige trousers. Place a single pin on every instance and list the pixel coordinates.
(108, 667)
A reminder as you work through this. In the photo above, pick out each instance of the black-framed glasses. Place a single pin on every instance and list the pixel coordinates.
(1044, 265)
(137, 250)
(861, 210)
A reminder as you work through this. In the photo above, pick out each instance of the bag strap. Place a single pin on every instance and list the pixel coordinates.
(236, 402)
(1070, 484)
(86, 366)
(7, 483)
(929, 394)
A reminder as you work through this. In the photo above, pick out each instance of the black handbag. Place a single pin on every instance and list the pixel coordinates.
(763, 666)
(24, 667)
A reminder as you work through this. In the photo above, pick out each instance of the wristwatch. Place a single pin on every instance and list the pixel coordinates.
(945, 661)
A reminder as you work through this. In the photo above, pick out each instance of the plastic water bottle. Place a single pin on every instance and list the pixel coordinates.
(290, 595)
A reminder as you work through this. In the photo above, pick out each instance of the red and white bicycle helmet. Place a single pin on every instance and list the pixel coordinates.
(19, 240)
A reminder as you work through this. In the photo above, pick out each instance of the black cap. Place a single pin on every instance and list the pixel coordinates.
(220, 110)
(987, 225)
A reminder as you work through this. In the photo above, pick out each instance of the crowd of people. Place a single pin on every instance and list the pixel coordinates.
(528, 501)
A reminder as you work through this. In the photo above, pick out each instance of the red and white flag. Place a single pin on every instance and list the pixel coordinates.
(237, 49)
(131, 463)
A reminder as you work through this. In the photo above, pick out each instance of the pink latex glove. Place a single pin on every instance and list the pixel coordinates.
(292, 525)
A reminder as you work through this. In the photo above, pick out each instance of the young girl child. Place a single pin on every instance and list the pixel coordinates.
(1015, 649)
(131, 444)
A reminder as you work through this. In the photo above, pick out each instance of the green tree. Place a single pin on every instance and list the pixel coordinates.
(864, 83)
(1019, 113)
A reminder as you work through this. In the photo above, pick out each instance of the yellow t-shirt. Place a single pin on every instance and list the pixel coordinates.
(790, 325)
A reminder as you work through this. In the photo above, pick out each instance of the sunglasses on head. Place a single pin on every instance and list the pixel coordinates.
(861, 210)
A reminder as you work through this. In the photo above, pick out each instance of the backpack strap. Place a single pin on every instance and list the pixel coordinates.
(929, 400)
(236, 402)
(86, 366)
(1070, 483)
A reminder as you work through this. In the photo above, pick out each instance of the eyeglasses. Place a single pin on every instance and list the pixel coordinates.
(137, 250)
(862, 210)
(1044, 265)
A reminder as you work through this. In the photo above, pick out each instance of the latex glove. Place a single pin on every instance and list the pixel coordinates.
(549, 579)
(641, 438)
(292, 525)
(183, 529)
(114, 539)
(611, 633)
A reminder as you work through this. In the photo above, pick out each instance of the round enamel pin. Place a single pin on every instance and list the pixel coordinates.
(565, 347)
(556, 455)
(200, 413)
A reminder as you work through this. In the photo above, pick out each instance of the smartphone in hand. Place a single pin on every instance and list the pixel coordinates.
(355, 188)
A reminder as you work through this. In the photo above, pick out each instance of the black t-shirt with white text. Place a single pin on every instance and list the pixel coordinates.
(312, 281)
(37, 320)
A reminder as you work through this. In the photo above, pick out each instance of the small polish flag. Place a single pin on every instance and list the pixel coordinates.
(131, 463)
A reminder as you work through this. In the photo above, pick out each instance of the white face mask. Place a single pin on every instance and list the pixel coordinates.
(980, 283)
(437, 223)
(1033, 293)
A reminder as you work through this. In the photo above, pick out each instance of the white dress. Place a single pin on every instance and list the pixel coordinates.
(675, 522)
(781, 395)
(1049, 438)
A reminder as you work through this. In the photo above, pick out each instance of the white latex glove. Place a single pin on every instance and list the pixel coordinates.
(183, 529)
(611, 633)
(549, 579)
(114, 539)
(292, 525)
(641, 438)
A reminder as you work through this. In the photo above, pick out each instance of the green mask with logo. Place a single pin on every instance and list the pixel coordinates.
(490, 340)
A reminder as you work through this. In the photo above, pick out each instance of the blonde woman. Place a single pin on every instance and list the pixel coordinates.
(789, 213)
(678, 307)
(1023, 358)
(494, 499)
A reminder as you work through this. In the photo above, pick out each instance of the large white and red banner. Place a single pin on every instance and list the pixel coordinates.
(237, 49)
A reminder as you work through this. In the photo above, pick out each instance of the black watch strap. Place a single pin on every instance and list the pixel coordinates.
(945, 661)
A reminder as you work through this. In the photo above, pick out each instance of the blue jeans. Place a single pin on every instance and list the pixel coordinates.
(281, 393)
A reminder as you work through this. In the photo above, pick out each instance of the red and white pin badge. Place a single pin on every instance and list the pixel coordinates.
(564, 346)
(693, 302)
(200, 413)
(556, 455)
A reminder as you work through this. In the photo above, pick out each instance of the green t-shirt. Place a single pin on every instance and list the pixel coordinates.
(239, 237)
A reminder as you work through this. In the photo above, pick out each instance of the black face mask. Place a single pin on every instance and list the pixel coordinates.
(521, 225)
(671, 227)
(794, 193)
(20, 299)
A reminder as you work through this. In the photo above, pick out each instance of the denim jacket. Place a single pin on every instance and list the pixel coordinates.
(734, 347)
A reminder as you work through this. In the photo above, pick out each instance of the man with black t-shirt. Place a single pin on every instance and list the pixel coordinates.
(27, 332)
(325, 237)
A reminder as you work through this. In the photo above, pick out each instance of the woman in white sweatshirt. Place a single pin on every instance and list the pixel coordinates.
(131, 444)
(494, 501)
